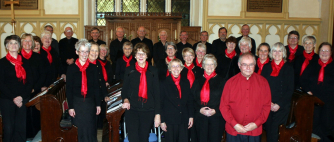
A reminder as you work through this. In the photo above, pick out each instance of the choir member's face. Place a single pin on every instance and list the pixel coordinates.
(49, 29)
(230, 46)
(263, 53)
(200, 52)
(309, 46)
(188, 57)
(68, 32)
(222, 34)
(245, 30)
(119, 32)
(13, 46)
(37, 47)
(95, 34)
(209, 66)
(27, 43)
(184, 36)
(204, 36)
(277, 54)
(127, 50)
(170, 51)
(175, 69)
(46, 40)
(141, 32)
(103, 51)
(293, 40)
(93, 53)
(163, 36)
(83, 54)
(244, 47)
(141, 56)
(247, 66)
(325, 53)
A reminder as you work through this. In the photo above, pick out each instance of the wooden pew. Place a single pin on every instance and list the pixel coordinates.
(301, 117)
(113, 114)
(49, 103)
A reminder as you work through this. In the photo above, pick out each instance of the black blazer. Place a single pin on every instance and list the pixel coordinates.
(109, 70)
(218, 47)
(173, 109)
(67, 50)
(120, 67)
(298, 63)
(131, 87)
(233, 69)
(198, 72)
(223, 64)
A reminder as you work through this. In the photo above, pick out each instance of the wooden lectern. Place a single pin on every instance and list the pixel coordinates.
(301, 115)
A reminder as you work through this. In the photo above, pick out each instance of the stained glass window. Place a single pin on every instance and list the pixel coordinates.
(155, 5)
(130, 5)
(103, 6)
(182, 6)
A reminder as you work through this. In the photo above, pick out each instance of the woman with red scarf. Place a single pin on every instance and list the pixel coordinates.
(106, 64)
(170, 49)
(263, 58)
(293, 50)
(200, 53)
(125, 61)
(176, 104)
(279, 74)
(82, 92)
(225, 59)
(207, 91)
(38, 44)
(190, 71)
(16, 84)
(141, 96)
(318, 80)
(301, 62)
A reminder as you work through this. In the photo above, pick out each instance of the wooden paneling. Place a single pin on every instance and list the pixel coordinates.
(193, 33)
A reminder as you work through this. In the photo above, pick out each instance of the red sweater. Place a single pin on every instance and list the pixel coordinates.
(245, 101)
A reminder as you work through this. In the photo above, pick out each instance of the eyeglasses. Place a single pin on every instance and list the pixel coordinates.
(177, 66)
(170, 48)
(308, 43)
(141, 54)
(246, 65)
(293, 38)
(83, 52)
(209, 65)
(324, 51)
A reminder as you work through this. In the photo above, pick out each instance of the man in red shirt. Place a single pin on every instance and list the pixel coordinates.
(245, 103)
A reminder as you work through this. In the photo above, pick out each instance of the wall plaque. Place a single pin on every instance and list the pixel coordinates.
(273, 6)
(24, 5)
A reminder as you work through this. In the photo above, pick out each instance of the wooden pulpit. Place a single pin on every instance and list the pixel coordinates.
(300, 117)
(49, 103)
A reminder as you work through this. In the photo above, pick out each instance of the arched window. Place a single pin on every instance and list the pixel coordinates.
(182, 6)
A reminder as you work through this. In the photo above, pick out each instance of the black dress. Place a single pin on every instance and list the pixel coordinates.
(13, 117)
(282, 89)
(298, 66)
(54, 69)
(120, 67)
(85, 108)
(323, 116)
(176, 111)
(208, 129)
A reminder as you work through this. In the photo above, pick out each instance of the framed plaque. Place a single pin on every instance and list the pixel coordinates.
(272, 6)
(24, 5)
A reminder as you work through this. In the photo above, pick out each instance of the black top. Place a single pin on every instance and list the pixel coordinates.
(102, 82)
(299, 52)
(73, 84)
(233, 69)
(159, 52)
(131, 88)
(52, 70)
(37, 64)
(120, 67)
(198, 72)
(162, 67)
(116, 49)
(54, 44)
(217, 84)
(180, 46)
(176, 110)
(67, 50)
(218, 47)
(298, 66)
(257, 66)
(223, 64)
(208, 47)
(281, 86)
(109, 70)
(99, 42)
(10, 86)
(237, 48)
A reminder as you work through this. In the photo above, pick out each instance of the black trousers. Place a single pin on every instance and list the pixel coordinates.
(176, 133)
(242, 138)
(13, 121)
(209, 129)
(100, 118)
(275, 119)
(323, 122)
(138, 124)
(33, 121)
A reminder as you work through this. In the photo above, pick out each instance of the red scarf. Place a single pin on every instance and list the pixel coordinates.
(308, 57)
(49, 54)
(190, 74)
(127, 60)
(177, 83)
(322, 70)
(142, 93)
(104, 71)
(83, 77)
(205, 92)
(26, 55)
(94, 62)
(39, 52)
(292, 52)
(230, 55)
(198, 64)
(260, 65)
(20, 71)
(168, 60)
(276, 68)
